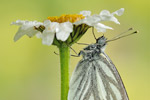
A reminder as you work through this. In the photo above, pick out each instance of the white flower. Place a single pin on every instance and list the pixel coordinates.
(26, 27)
(61, 27)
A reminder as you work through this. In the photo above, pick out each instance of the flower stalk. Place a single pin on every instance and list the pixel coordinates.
(64, 52)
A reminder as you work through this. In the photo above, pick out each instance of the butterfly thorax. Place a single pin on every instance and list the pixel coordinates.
(92, 51)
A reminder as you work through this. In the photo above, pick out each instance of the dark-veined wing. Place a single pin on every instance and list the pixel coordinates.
(96, 80)
(106, 60)
(80, 81)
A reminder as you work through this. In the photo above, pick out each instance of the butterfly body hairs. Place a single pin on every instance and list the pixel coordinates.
(95, 76)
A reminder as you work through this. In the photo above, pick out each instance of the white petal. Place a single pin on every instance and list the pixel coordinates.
(47, 37)
(89, 20)
(114, 19)
(22, 31)
(39, 35)
(26, 27)
(46, 22)
(63, 36)
(18, 22)
(105, 15)
(85, 13)
(50, 26)
(53, 26)
(101, 27)
(79, 22)
(31, 32)
(19, 34)
(64, 30)
(119, 12)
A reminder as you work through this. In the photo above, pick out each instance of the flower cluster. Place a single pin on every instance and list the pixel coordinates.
(68, 28)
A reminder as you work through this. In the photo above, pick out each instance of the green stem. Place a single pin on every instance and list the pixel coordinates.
(64, 52)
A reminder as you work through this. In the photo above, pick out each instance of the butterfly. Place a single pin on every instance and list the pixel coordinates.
(95, 76)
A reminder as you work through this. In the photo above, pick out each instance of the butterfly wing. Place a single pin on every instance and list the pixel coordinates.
(80, 81)
(115, 76)
(96, 80)
(110, 80)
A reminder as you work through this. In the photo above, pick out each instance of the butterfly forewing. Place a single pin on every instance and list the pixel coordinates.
(112, 67)
(79, 81)
(96, 80)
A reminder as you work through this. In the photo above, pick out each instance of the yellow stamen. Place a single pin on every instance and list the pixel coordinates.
(66, 18)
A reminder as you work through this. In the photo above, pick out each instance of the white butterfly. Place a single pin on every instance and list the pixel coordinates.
(96, 77)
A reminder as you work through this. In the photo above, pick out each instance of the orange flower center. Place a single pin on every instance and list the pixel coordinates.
(66, 18)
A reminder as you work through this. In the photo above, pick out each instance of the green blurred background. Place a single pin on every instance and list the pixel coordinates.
(30, 70)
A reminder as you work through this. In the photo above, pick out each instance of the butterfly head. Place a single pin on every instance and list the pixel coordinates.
(101, 41)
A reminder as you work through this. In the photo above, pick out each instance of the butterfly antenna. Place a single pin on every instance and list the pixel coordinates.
(82, 43)
(122, 36)
(93, 33)
(123, 33)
